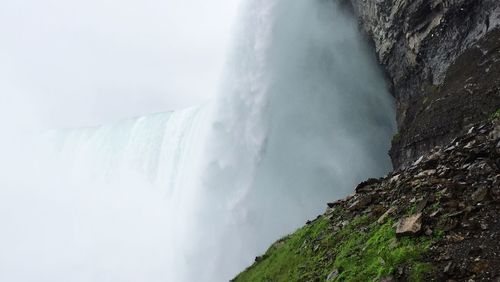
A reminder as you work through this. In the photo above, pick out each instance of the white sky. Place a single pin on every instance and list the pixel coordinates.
(82, 62)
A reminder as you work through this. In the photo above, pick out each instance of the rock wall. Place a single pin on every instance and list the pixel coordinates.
(442, 57)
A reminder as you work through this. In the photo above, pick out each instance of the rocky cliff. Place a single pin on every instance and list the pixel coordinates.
(441, 57)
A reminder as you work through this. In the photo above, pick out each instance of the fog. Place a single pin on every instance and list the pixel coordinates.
(68, 64)
(86, 62)
(302, 114)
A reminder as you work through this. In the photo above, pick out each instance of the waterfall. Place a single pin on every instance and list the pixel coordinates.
(159, 148)
(302, 116)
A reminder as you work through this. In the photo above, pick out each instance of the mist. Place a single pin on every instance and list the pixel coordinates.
(82, 63)
(73, 64)
(292, 114)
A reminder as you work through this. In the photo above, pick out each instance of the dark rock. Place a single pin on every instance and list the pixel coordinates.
(259, 258)
(429, 232)
(440, 58)
(367, 186)
(378, 210)
(387, 279)
(386, 214)
(448, 267)
(336, 203)
(480, 266)
(495, 189)
(436, 212)
(479, 195)
(361, 202)
(447, 224)
(421, 204)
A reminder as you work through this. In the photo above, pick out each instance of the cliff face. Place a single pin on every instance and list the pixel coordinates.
(441, 57)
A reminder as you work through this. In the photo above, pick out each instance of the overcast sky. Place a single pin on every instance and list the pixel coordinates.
(83, 62)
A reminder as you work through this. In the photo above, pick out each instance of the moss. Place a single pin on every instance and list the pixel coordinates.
(361, 251)
(439, 233)
(432, 89)
(396, 137)
(412, 209)
(419, 270)
(297, 257)
(495, 114)
(378, 253)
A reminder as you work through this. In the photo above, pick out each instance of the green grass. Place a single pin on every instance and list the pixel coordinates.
(361, 251)
(293, 258)
(375, 254)
(495, 115)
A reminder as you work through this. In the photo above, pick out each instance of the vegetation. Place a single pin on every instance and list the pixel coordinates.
(363, 250)
(396, 138)
(432, 89)
(495, 114)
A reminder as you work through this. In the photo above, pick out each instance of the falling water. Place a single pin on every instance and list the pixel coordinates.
(302, 116)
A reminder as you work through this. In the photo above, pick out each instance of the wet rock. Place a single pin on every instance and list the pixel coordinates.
(438, 56)
(367, 186)
(421, 205)
(436, 212)
(426, 173)
(495, 193)
(480, 266)
(455, 238)
(334, 274)
(448, 267)
(451, 204)
(395, 178)
(336, 203)
(382, 218)
(447, 224)
(428, 232)
(361, 202)
(479, 195)
(377, 210)
(259, 258)
(418, 161)
(387, 279)
(410, 225)
(495, 133)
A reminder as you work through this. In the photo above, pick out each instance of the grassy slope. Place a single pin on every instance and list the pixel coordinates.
(361, 251)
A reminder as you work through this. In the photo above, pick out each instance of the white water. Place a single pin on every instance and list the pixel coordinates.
(303, 115)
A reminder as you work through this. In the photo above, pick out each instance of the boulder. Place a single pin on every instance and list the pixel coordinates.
(410, 225)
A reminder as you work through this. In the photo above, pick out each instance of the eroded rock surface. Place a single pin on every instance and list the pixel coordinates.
(442, 58)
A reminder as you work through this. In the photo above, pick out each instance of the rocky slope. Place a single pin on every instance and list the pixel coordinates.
(435, 220)
(441, 57)
(436, 217)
